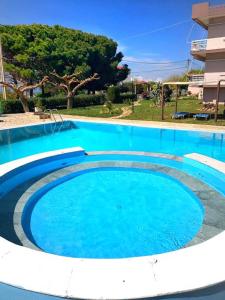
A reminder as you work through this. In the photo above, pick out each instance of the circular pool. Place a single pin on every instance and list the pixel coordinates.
(111, 205)
(112, 212)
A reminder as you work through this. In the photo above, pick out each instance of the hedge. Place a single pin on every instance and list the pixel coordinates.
(128, 96)
(15, 106)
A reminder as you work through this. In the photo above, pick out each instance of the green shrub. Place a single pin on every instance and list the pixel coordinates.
(113, 94)
(15, 106)
(88, 100)
(52, 102)
(128, 96)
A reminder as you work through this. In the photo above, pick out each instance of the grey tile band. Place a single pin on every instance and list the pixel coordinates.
(213, 202)
(138, 153)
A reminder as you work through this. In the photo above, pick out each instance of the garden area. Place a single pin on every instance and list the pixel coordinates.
(147, 110)
(81, 74)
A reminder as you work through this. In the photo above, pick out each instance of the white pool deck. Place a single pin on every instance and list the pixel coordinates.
(20, 120)
(188, 269)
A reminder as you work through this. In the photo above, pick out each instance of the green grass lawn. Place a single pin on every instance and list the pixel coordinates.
(94, 111)
(149, 112)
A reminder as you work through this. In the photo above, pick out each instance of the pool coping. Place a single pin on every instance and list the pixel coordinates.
(137, 123)
(209, 161)
(174, 272)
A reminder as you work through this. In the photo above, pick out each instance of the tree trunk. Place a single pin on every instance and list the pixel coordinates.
(69, 101)
(31, 94)
(42, 90)
(24, 103)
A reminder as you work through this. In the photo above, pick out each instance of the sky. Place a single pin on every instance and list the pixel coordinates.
(150, 31)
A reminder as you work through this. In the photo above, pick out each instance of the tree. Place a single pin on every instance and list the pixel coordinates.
(155, 90)
(181, 78)
(167, 93)
(70, 84)
(196, 71)
(113, 94)
(21, 90)
(32, 51)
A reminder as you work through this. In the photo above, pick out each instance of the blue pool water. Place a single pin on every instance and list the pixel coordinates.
(93, 136)
(114, 213)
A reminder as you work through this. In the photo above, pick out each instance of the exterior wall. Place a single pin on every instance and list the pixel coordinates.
(216, 28)
(210, 93)
(216, 35)
(217, 44)
(214, 68)
(195, 90)
(213, 78)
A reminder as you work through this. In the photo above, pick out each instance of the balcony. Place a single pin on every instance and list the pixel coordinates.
(196, 79)
(198, 49)
(203, 12)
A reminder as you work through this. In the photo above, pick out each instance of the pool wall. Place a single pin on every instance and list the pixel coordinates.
(200, 267)
(15, 172)
(11, 135)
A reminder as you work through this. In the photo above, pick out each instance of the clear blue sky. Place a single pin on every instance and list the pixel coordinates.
(129, 22)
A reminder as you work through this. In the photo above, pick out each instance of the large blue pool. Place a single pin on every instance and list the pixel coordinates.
(112, 205)
(20, 142)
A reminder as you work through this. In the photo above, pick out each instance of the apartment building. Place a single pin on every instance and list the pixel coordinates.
(212, 49)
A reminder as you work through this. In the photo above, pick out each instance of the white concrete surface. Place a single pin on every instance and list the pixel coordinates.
(209, 161)
(9, 166)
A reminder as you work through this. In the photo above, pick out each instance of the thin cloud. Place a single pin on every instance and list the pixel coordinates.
(156, 30)
(148, 68)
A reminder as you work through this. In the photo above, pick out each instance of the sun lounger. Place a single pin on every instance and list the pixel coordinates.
(201, 116)
(180, 115)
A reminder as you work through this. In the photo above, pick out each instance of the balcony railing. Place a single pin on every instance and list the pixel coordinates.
(216, 3)
(199, 45)
(196, 78)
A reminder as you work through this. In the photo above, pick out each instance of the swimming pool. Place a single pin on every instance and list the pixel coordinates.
(21, 142)
(128, 200)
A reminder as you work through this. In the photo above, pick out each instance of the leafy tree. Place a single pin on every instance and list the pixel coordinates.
(167, 92)
(196, 71)
(71, 83)
(113, 94)
(21, 90)
(33, 51)
(181, 78)
(155, 90)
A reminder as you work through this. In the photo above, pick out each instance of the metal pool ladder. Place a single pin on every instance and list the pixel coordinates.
(53, 114)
